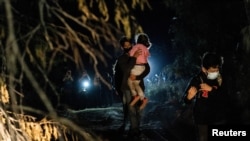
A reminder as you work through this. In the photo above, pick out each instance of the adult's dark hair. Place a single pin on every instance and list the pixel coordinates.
(142, 38)
(211, 59)
(124, 39)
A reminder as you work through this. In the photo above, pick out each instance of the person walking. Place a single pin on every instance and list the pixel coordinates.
(122, 68)
(83, 90)
(205, 92)
(67, 89)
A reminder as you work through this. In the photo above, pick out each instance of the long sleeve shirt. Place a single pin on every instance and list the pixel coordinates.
(143, 58)
(206, 104)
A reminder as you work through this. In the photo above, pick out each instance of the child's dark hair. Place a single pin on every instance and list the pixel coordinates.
(124, 39)
(211, 59)
(142, 38)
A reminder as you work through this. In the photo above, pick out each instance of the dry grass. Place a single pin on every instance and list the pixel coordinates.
(31, 50)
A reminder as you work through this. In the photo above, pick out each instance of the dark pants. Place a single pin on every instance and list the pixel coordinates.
(202, 132)
(132, 112)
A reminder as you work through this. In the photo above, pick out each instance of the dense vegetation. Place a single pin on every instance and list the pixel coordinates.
(40, 40)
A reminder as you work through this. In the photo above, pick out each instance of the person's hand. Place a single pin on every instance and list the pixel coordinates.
(205, 87)
(191, 93)
(137, 53)
(132, 77)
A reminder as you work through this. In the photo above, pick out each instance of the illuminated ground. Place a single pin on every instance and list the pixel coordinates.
(161, 122)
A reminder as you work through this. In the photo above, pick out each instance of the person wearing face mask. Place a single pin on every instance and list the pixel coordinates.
(204, 92)
(121, 70)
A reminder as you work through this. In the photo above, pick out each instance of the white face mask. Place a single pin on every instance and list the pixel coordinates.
(212, 75)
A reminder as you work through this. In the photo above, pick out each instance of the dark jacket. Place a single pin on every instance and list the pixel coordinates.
(122, 69)
(206, 110)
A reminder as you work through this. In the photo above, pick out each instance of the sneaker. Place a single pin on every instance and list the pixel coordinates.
(135, 99)
(144, 103)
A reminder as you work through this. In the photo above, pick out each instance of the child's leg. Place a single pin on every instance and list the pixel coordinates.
(131, 87)
(142, 96)
(136, 97)
(144, 103)
(134, 84)
(139, 89)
